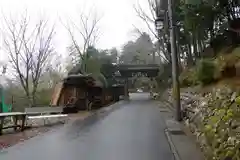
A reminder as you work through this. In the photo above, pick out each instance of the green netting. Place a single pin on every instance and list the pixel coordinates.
(4, 107)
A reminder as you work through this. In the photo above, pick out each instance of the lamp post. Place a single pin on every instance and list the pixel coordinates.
(161, 8)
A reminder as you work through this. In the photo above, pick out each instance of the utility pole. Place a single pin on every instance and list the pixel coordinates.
(175, 65)
(159, 40)
(126, 94)
(154, 57)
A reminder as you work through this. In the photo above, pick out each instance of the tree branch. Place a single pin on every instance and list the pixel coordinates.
(29, 51)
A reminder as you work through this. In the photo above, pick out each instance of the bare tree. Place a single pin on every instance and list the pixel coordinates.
(148, 17)
(83, 33)
(29, 47)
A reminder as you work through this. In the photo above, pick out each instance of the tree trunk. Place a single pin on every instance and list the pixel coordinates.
(33, 96)
(200, 49)
(203, 45)
(166, 52)
(190, 61)
(211, 35)
(194, 46)
(34, 100)
(28, 96)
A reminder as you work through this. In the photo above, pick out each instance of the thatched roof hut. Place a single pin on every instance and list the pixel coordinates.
(82, 88)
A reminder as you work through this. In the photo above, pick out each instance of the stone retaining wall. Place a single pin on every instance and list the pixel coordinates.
(214, 119)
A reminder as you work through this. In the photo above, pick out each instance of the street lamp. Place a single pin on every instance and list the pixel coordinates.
(160, 14)
(159, 24)
(159, 21)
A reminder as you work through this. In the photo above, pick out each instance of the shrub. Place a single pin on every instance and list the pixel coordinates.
(221, 125)
(206, 71)
(164, 77)
(188, 77)
(226, 64)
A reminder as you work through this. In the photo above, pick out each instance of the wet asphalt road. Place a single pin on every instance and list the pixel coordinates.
(132, 131)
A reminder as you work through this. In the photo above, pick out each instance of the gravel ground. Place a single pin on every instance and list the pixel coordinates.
(10, 138)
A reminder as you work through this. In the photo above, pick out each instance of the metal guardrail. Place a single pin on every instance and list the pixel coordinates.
(43, 110)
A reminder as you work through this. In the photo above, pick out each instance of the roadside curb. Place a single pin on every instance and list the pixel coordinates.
(181, 144)
(172, 146)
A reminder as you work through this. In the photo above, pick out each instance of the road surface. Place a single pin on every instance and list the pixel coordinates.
(133, 131)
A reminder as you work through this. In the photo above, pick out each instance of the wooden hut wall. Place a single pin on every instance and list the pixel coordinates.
(80, 93)
(61, 97)
(106, 94)
(95, 91)
(81, 98)
(67, 93)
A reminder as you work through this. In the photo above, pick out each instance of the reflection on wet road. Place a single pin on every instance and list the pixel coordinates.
(132, 131)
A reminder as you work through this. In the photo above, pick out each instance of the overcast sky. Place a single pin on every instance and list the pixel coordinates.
(116, 24)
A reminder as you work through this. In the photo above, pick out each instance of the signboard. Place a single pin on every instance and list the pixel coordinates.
(149, 73)
(127, 71)
(139, 74)
(193, 2)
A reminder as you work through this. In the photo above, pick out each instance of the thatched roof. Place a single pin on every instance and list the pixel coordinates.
(78, 80)
(98, 83)
(76, 70)
(83, 80)
(76, 75)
